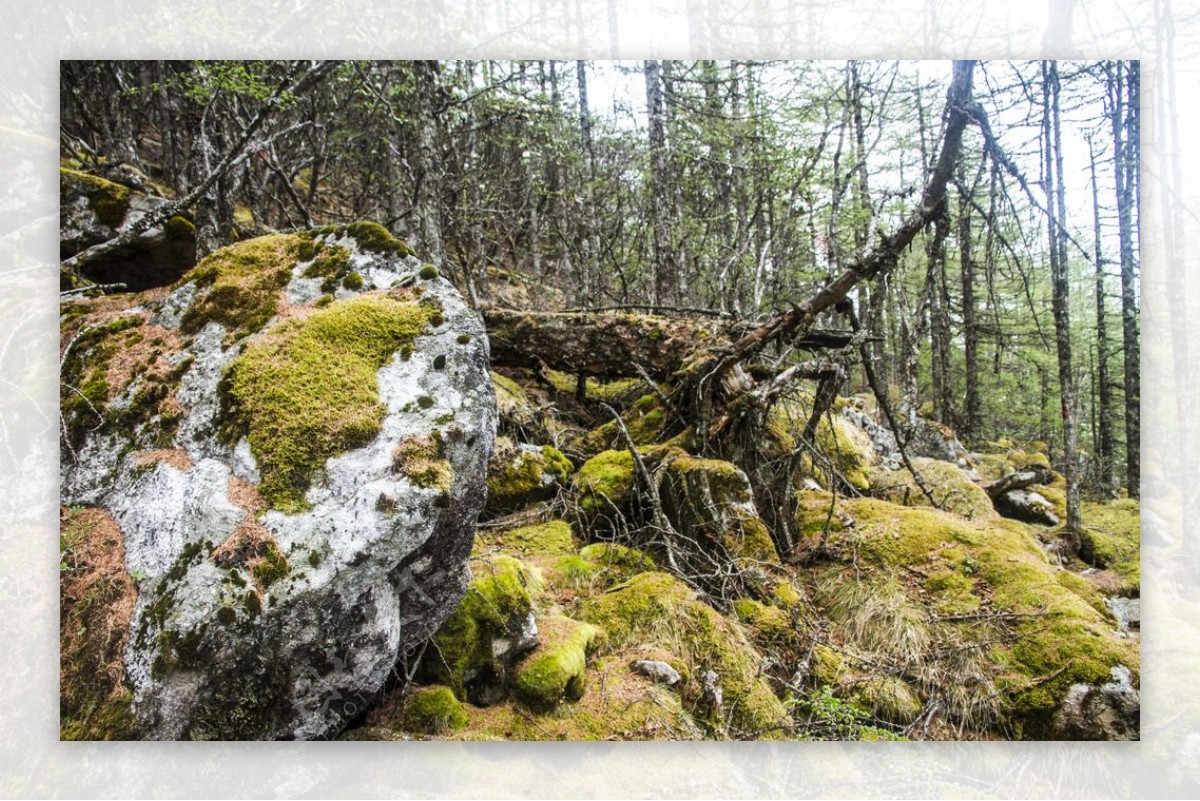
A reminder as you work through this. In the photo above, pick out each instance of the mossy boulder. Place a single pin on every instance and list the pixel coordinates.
(950, 486)
(557, 669)
(297, 481)
(612, 563)
(520, 474)
(710, 503)
(658, 609)
(604, 490)
(434, 710)
(1111, 540)
(475, 649)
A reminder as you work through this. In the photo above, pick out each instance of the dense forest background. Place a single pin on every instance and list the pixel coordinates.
(703, 188)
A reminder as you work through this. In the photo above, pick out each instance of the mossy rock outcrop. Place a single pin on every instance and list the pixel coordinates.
(296, 474)
(656, 608)
(710, 503)
(950, 486)
(1032, 630)
(476, 647)
(557, 669)
(95, 209)
(520, 474)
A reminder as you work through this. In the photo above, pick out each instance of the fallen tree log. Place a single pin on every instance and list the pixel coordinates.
(1026, 477)
(619, 344)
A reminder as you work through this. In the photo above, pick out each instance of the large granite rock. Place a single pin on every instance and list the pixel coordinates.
(293, 443)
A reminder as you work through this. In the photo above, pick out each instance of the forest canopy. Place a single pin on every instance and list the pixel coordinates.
(734, 188)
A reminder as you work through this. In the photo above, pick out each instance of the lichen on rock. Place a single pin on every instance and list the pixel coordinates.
(289, 544)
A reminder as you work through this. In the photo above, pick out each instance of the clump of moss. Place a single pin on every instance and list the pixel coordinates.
(889, 698)
(109, 201)
(645, 421)
(308, 391)
(519, 475)
(496, 606)
(370, 236)
(1111, 539)
(84, 390)
(658, 609)
(420, 459)
(558, 668)
(434, 710)
(948, 484)
(553, 537)
(270, 566)
(617, 392)
(428, 272)
(1055, 638)
(604, 486)
(244, 283)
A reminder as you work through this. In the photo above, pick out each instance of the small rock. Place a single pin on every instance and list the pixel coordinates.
(658, 671)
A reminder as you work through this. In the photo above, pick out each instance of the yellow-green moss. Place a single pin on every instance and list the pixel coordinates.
(553, 537)
(558, 668)
(434, 710)
(242, 285)
(109, 201)
(308, 391)
(518, 476)
(604, 483)
(828, 666)
(645, 421)
(616, 563)
(609, 392)
(770, 627)
(709, 500)
(1112, 533)
(497, 602)
(847, 448)
(656, 608)
(949, 485)
(1059, 637)
(420, 460)
(889, 698)
(370, 236)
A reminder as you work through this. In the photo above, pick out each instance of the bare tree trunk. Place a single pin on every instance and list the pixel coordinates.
(1056, 203)
(664, 267)
(1104, 411)
(1125, 96)
(972, 420)
(428, 195)
(589, 265)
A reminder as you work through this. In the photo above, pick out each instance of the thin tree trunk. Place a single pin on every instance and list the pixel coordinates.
(1104, 411)
(663, 263)
(1060, 301)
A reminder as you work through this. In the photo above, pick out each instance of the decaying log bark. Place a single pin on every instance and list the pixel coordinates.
(615, 344)
(605, 345)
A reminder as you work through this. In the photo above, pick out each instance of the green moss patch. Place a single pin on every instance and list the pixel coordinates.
(496, 606)
(519, 476)
(307, 391)
(108, 201)
(242, 284)
(995, 597)
(709, 501)
(950, 487)
(433, 710)
(553, 537)
(557, 669)
(1112, 539)
(370, 236)
(614, 563)
(657, 609)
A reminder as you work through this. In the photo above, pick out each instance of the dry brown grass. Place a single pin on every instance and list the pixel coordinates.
(96, 601)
